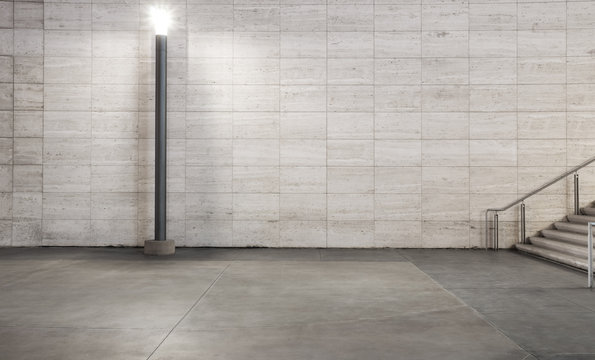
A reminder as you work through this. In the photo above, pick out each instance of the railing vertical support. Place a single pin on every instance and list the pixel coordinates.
(487, 230)
(496, 231)
(576, 195)
(590, 255)
(523, 236)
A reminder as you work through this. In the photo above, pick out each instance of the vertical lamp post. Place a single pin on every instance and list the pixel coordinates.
(160, 245)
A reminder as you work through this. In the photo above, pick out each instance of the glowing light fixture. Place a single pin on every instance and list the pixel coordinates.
(161, 19)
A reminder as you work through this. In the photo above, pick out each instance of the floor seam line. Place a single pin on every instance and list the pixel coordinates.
(189, 310)
(475, 311)
(74, 327)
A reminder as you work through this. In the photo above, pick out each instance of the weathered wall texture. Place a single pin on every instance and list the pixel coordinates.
(292, 123)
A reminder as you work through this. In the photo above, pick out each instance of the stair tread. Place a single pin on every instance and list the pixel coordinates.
(580, 219)
(554, 255)
(571, 227)
(565, 236)
(561, 246)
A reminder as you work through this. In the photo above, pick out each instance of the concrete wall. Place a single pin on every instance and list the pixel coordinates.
(293, 123)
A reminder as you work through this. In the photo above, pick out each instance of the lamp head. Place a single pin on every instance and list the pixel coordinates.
(161, 19)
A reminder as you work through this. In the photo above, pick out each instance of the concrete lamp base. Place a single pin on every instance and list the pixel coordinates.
(160, 247)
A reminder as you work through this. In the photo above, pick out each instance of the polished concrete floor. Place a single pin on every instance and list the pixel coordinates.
(68, 303)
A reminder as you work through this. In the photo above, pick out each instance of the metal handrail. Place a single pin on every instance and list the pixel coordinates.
(546, 185)
(528, 195)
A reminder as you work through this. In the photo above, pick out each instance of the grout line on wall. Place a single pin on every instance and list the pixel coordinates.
(139, 239)
(469, 122)
(566, 98)
(13, 112)
(517, 65)
(186, 51)
(421, 110)
(279, 133)
(42, 117)
(231, 114)
(326, 127)
(91, 237)
(374, 232)
(359, 85)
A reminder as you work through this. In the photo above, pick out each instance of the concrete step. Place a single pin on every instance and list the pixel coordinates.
(580, 219)
(564, 236)
(571, 227)
(588, 211)
(560, 246)
(553, 255)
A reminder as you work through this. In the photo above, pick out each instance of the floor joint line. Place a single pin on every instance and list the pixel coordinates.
(189, 310)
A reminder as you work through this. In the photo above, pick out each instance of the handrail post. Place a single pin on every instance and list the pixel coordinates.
(590, 255)
(523, 237)
(487, 226)
(496, 231)
(576, 195)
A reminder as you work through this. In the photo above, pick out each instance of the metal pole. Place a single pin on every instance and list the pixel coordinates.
(160, 135)
(495, 231)
(590, 256)
(577, 210)
(523, 237)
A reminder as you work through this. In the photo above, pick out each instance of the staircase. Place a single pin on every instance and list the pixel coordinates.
(566, 243)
